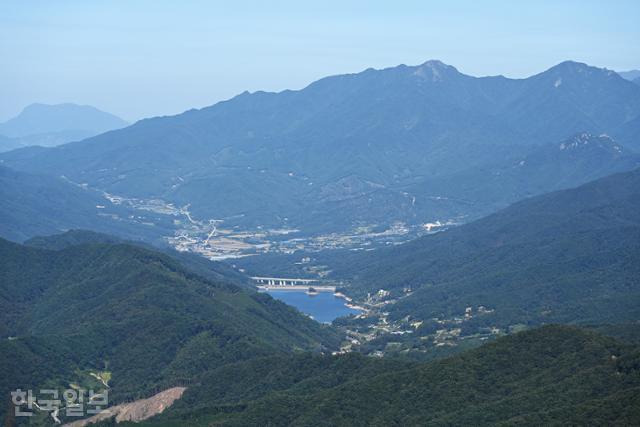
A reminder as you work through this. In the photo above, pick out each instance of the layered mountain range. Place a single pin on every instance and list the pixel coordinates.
(408, 143)
(543, 172)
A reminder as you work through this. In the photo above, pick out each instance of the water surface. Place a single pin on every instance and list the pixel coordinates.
(323, 307)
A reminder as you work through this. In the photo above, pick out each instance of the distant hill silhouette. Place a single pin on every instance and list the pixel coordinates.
(51, 125)
(630, 75)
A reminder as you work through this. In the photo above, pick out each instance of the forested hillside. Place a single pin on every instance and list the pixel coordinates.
(135, 313)
(568, 256)
(555, 375)
(213, 270)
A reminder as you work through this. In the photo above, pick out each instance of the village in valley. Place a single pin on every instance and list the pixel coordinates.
(217, 239)
(376, 333)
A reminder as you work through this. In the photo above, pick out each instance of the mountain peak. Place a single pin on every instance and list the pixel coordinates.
(38, 118)
(576, 75)
(434, 70)
(577, 68)
(573, 65)
(435, 63)
(61, 108)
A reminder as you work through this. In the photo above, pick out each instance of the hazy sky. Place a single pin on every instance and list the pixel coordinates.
(149, 57)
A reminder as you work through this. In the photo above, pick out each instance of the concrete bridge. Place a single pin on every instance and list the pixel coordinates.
(282, 281)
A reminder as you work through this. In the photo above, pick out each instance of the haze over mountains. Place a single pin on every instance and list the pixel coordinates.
(528, 191)
(373, 148)
(51, 125)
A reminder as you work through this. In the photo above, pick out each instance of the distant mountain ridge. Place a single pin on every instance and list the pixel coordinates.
(350, 149)
(8, 144)
(566, 164)
(630, 75)
(51, 125)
